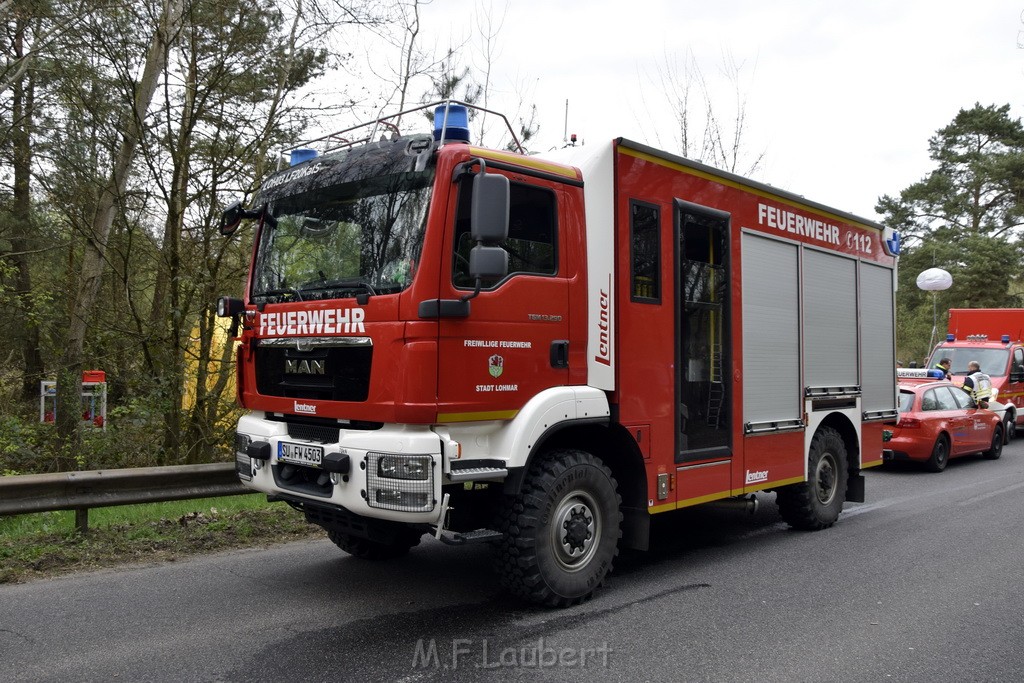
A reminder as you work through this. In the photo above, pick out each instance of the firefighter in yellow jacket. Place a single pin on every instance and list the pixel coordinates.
(978, 384)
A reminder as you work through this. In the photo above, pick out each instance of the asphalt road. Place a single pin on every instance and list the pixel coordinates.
(924, 582)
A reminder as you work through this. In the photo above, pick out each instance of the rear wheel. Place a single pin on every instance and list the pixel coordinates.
(816, 503)
(562, 531)
(940, 455)
(996, 450)
(374, 550)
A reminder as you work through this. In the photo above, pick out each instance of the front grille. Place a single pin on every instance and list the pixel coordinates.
(308, 432)
(346, 372)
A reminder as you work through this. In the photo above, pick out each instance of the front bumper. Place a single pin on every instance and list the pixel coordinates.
(393, 473)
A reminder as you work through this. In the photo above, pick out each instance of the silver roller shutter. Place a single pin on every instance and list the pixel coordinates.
(830, 322)
(771, 333)
(879, 380)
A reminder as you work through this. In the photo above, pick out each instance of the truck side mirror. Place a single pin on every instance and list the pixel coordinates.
(231, 218)
(489, 209)
(234, 214)
(488, 262)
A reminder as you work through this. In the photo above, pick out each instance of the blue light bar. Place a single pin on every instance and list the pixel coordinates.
(1005, 339)
(299, 156)
(453, 121)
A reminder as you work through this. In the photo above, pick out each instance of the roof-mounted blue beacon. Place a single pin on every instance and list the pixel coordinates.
(451, 123)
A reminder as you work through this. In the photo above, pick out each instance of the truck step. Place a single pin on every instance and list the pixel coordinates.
(466, 537)
(478, 474)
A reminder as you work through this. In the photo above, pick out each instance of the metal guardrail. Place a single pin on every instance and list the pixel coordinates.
(80, 491)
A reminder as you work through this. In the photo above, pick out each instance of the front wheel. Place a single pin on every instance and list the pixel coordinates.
(562, 531)
(1009, 428)
(816, 503)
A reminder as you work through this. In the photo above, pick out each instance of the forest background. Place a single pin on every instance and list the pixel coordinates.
(127, 126)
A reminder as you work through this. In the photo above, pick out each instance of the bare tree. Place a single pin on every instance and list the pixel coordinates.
(488, 28)
(704, 134)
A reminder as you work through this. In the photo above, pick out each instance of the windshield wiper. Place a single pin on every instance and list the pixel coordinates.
(281, 292)
(345, 283)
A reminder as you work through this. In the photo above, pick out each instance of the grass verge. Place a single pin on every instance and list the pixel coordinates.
(46, 544)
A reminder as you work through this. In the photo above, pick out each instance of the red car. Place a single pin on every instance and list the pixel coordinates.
(939, 421)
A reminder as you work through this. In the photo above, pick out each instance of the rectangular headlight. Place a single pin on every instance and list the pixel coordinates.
(393, 499)
(407, 467)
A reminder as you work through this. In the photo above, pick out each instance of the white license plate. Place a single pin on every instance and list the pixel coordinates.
(300, 453)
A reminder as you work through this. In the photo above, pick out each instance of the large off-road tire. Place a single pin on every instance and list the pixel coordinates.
(374, 550)
(996, 450)
(561, 532)
(940, 455)
(816, 503)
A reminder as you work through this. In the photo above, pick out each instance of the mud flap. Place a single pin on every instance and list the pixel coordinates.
(855, 488)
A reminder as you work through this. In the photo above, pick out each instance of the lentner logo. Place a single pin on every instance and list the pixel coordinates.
(755, 477)
(307, 408)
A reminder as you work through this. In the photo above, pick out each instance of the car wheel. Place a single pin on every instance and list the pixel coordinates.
(940, 455)
(997, 444)
(562, 531)
(1009, 427)
(816, 503)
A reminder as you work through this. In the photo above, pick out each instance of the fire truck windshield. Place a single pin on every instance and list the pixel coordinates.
(992, 361)
(344, 239)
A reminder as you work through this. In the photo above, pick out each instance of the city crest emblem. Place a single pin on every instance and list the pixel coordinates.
(495, 365)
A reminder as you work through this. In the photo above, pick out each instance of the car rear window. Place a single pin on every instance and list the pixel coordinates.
(906, 401)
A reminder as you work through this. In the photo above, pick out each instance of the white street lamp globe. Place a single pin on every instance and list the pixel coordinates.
(934, 279)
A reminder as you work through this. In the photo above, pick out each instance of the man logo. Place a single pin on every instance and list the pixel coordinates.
(304, 367)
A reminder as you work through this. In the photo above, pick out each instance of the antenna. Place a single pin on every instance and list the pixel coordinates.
(565, 130)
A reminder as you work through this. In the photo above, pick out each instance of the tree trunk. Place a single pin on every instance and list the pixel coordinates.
(83, 302)
(22, 113)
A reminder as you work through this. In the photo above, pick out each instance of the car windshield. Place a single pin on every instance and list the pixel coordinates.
(992, 361)
(355, 237)
(906, 401)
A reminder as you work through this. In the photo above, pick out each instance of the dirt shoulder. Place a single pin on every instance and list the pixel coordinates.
(46, 555)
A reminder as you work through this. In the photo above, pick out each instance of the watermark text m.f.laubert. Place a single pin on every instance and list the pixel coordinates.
(485, 654)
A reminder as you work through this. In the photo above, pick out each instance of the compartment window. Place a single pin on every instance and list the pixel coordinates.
(645, 252)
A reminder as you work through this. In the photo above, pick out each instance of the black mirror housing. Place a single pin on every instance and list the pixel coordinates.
(231, 218)
(489, 208)
(488, 262)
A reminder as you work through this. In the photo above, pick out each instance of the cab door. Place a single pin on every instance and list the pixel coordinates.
(514, 342)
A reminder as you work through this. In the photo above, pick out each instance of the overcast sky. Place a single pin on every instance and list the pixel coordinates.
(841, 97)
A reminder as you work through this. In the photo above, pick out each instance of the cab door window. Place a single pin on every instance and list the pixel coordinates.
(532, 243)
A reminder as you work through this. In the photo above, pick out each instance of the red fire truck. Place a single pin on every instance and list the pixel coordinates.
(991, 336)
(544, 352)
